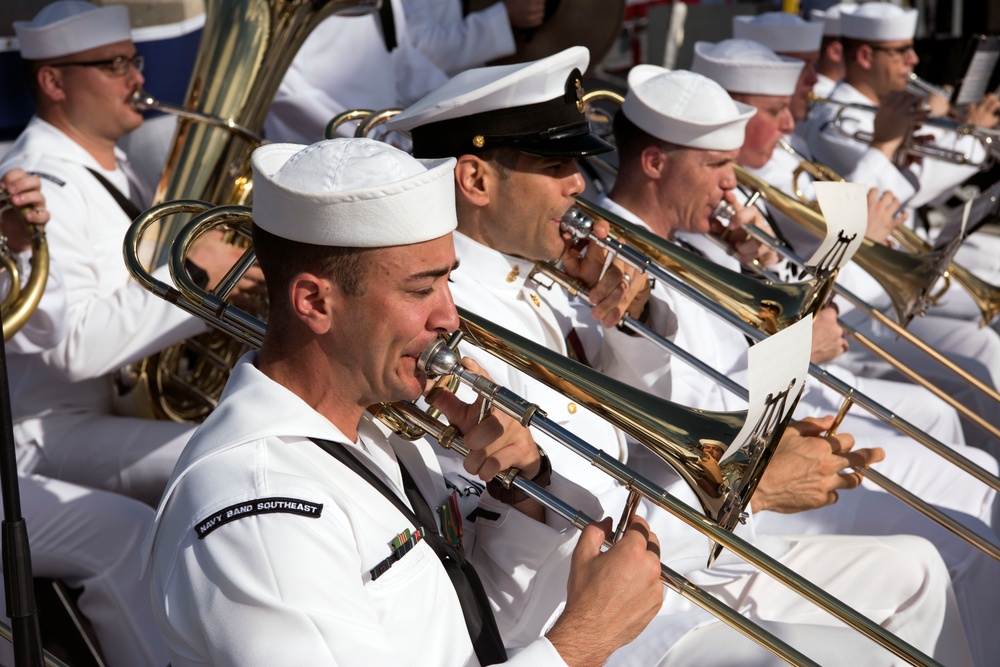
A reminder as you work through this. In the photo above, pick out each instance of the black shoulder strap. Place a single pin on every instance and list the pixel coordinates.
(479, 618)
(388, 22)
(131, 210)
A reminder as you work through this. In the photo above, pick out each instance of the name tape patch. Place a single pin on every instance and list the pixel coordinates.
(258, 506)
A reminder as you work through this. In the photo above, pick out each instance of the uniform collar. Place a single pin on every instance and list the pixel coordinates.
(40, 135)
(491, 266)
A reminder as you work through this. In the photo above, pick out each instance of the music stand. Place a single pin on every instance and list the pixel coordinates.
(18, 583)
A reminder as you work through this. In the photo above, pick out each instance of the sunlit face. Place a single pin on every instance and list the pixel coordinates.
(772, 121)
(799, 104)
(97, 101)
(892, 63)
(529, 205)
(405, 305)
(693, 184)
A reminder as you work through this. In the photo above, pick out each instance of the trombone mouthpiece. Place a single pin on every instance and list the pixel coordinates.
(142, 101)
(577, 224)
(438, 359)
(723, 212)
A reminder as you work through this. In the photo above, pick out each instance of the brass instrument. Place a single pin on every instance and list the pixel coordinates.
(754, 328)
(547, 367)
(905, 281)
(246, 47)
(921, 88)
(637, 258)
(21, 302)
(987, 138)
(986, 296)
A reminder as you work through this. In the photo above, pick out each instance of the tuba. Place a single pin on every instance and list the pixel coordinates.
(246, 47)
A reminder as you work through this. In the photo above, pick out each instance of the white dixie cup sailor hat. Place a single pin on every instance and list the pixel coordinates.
(779, 31)
(71, 26)
(879, 22)
(355, 193)
(743, 66)
(685, 108)
(831, 17)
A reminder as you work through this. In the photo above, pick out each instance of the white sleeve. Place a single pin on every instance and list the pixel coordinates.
(455, 43)
(104, 330)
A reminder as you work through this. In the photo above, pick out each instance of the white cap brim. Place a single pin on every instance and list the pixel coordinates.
(68, 27)
(685, 108)
(354, 193)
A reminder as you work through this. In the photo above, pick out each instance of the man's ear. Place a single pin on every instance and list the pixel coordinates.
(654, 162)
(474, 179)
(865, 56)
(835, 51)
(316, 301)
(50, 83)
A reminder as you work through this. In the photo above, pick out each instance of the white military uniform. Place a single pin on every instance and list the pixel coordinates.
(494, 286)
(62, 398)
(956, 332)
(344, 65)
(913, 466)
(244, 588)
(454, 42)
(88, 538)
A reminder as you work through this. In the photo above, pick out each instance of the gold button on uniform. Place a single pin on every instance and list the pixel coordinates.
(514, 273)
(572, 408)
(536, 300)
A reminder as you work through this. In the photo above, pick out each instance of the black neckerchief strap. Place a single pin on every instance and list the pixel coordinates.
(131, 210)
(479, 618)
(388, 22)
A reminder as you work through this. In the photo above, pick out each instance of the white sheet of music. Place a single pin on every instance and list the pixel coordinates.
(845, 208)
(777, 368)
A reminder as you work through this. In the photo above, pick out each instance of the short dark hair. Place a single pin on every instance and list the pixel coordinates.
(631, 140)
(851, 47)
(282, 259)
(503, 158)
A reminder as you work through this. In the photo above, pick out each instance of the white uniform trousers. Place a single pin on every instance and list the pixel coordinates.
(126, 455)
(974, 575)
(90, 539)
(897, 581)
(974, 349)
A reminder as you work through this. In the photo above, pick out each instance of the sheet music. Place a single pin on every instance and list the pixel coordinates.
(977, 77)
(777, 370)
(981, 210)
(845, 208)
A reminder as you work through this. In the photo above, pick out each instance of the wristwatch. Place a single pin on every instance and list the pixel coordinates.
(501, 489)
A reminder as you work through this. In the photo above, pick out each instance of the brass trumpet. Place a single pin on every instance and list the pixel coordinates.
(547, 367)
(988, 139)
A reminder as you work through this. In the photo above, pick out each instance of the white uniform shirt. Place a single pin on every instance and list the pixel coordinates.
(914, 185)
(111, 320)
(295, 587)
(454, 42)
(344, 64)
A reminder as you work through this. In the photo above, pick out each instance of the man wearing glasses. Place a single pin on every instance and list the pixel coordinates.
(83, 69)
(879, 57)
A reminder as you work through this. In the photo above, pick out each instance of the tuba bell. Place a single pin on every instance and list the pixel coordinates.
(246, 47)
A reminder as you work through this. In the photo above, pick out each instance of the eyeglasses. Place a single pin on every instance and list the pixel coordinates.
(117, 66)
(901, 51)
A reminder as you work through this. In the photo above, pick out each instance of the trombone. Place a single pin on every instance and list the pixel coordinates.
(546, 366)
(988, 139)
(632, 325)
(986, 296)
(901, 275)
(651, 254)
